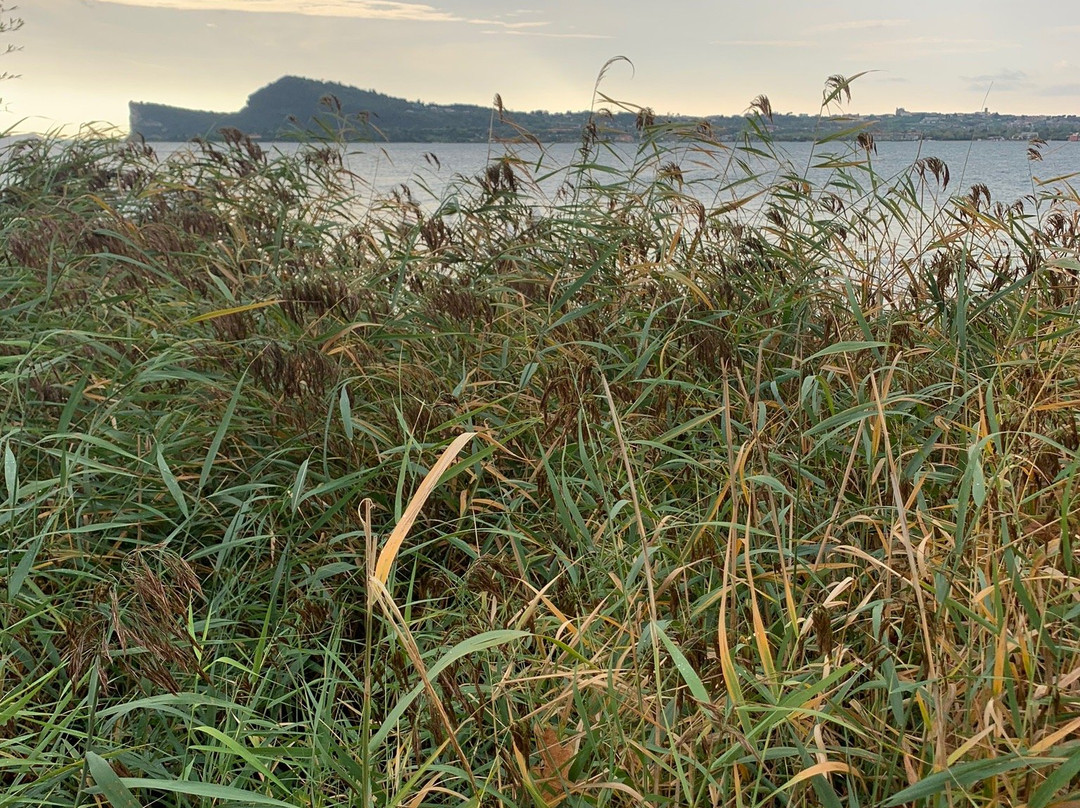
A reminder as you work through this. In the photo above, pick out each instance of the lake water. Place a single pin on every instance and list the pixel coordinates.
(430, 168)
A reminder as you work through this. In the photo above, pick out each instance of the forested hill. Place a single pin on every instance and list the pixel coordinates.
(291, 106)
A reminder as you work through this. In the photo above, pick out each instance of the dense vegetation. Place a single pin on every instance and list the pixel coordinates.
(291, 106)
(637, 494)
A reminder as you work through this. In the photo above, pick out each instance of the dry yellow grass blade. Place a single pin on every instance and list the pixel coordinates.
(824, 768)
(428, 787)
(552, 776)
(401, 530)
(1054, 738)
(385, 600)
(213, 315)
(723, 645)
(761, 636)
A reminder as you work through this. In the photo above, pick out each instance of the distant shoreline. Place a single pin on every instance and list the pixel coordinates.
(291, 107)
(217, 138)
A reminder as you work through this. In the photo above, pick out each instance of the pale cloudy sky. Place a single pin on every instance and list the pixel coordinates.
(83, 60)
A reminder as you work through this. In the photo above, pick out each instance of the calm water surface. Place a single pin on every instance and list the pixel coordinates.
(429, 169)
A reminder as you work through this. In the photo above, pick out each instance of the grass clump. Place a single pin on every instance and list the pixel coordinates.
(679, 481)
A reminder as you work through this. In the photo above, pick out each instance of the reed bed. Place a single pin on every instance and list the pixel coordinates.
(631, 494)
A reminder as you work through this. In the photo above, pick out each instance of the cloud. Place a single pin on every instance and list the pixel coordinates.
(515, 30)
(920, 46)
(765, 43)
(358, 9)
(393, 10)
(1061, 89)
(857, 25)
(1003, 76)
(1004, 80)
(509, 25)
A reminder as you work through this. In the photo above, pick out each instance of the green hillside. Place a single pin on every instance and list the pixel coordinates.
(294, 107)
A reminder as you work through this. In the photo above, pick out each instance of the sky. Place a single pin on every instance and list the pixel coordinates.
(81, 61)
